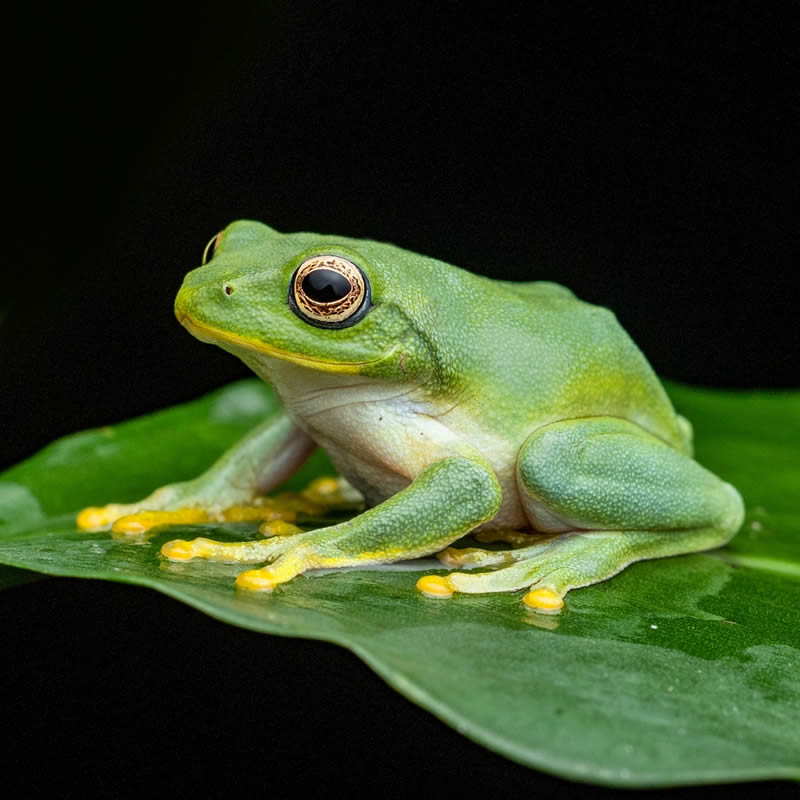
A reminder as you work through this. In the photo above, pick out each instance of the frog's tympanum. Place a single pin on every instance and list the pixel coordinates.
(453, 404)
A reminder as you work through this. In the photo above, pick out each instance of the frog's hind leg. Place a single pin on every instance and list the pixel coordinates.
(576, 559)
(613, 494)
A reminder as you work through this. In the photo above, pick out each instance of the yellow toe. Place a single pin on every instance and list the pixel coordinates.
(254, 513)
(435, 586)
(178, 550)
(546, 601)
(145, 520)
(329, 491)
(278, 527)
(95, 517)
(256, 580)
(326, 486)
(130, 524)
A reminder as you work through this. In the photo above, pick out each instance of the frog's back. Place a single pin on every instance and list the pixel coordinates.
(558, 357)
(516, 355)
(543, 292)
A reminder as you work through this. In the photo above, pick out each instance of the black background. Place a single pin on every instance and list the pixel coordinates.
(645, 155)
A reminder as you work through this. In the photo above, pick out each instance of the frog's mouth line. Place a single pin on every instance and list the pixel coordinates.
(211, 335)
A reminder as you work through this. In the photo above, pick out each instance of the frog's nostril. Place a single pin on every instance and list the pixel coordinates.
(227, 288)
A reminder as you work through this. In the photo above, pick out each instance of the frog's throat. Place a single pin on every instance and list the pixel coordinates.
(211, 335)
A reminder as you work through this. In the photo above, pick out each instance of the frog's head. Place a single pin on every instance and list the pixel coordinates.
(327, 303)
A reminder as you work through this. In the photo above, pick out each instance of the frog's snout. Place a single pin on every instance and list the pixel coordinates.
(182, 305)
(203, 309)
(191, 299)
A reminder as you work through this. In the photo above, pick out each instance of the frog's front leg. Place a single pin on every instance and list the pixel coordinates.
(229, 489)
(609, 493)
(445, 501)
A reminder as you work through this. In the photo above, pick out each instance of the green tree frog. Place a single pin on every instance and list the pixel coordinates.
(452, 403)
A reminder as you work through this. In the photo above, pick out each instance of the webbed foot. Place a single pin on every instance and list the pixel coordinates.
(549, 569)
(560, 562)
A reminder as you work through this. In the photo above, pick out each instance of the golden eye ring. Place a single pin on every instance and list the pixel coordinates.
(329, 291)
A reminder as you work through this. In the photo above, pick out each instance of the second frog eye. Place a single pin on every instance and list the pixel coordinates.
(211, 248)
(329, 292)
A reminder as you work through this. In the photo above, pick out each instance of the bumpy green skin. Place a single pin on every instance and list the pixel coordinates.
(494, 402)
(446, 501)
(515, 355)
(626, 496)
(606, 473)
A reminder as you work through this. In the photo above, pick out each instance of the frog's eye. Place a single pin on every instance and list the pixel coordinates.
(210, 249)
(329, 291)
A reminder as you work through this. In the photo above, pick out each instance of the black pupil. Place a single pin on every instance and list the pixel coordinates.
(325, 285)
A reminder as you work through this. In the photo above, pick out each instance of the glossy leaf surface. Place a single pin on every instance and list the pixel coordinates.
(683, 670)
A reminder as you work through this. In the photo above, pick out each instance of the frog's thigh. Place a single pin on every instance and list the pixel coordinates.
(619, 495)
(604, 473)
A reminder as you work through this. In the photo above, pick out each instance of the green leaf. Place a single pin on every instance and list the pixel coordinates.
(678, 671)
(10, 576)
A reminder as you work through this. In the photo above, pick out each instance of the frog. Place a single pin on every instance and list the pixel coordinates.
(453, 407)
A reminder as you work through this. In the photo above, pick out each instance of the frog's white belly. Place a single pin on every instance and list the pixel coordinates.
(380, 437)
